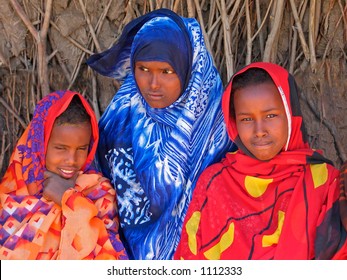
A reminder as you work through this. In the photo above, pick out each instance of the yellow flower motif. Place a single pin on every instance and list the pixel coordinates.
(256, 186)
(319, 174)
(192, 228)
(269, 240)
(226, 240)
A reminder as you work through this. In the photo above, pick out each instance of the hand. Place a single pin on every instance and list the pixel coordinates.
(54, 186)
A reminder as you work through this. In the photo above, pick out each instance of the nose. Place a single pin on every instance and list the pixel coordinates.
(71, 157)
(154, 82)
(260, 129)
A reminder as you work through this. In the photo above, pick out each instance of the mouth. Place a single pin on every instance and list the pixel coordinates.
(154, 96)
(67, 173)
(261, 145)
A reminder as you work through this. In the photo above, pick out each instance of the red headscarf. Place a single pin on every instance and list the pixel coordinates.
(284, 208)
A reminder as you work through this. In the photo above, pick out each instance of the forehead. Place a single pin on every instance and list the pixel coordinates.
(154, 64)
(78, 133)
(255, 96)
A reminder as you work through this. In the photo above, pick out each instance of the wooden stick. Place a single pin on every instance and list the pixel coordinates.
(40, 38)
(330, 126)
(344, 14)
(3, 59)
(81, 58)
(234, 11)
(91, 29)
(229, 60)
(95, 96)
(293, 56)
(271, 43)
(65, 70)
(312, 35)
(3, 149)
(248, 34)
(300, 31)
(211, 18)
(12, 112)
(20, 12)
(71, 40)
(332, 37)
(260, 26)
(190, 7)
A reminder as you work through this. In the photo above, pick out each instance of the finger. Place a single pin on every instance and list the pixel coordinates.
(75, 176)
(47, 174)
(45, 195)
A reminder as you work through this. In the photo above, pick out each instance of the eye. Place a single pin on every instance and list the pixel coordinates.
(59, 147)
(84, 148)
(270, 116)
(144, 69)
(246, 119)
(168, 71)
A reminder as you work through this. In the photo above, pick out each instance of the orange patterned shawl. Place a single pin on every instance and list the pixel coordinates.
(84, 227)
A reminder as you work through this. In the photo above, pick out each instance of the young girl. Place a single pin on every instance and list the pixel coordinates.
(53, 205)
(162, 128)
(275, 198)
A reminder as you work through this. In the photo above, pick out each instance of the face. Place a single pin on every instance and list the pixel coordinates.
(158, 82)
(67, 148)
(261, 120)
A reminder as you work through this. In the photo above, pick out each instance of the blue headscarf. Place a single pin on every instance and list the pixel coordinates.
(164, 41)
(154, 156)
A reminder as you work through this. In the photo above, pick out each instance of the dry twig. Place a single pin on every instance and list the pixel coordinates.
(40, 37)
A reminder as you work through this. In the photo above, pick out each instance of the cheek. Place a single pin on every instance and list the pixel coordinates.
(244, 132)
(51, 160)
(81, 158)
(140, 79)
(282, 133)
(172, 84)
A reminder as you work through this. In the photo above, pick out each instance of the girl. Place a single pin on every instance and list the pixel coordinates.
(53, 203)
(275, 198)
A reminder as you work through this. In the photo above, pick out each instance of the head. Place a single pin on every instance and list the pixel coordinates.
(70, 137)
(161, 61)
(257, 113)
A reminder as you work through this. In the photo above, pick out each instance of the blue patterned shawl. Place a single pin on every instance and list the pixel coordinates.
(154, 156)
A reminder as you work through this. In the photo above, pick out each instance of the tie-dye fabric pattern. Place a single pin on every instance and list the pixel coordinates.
(154, 156)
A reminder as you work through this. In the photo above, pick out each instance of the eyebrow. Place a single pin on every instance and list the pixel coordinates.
(265, 111)
(67, 145)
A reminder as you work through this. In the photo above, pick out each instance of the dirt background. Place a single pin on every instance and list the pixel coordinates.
(44, 46)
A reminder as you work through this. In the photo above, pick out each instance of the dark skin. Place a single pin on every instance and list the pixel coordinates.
(55, 186)
(66, 153)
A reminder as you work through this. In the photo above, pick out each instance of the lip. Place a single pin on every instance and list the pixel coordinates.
(262, 145)
(67, 173)
(155, 96)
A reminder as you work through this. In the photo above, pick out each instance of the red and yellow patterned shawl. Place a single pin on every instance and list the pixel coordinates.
(285, 208)
(84, 227)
